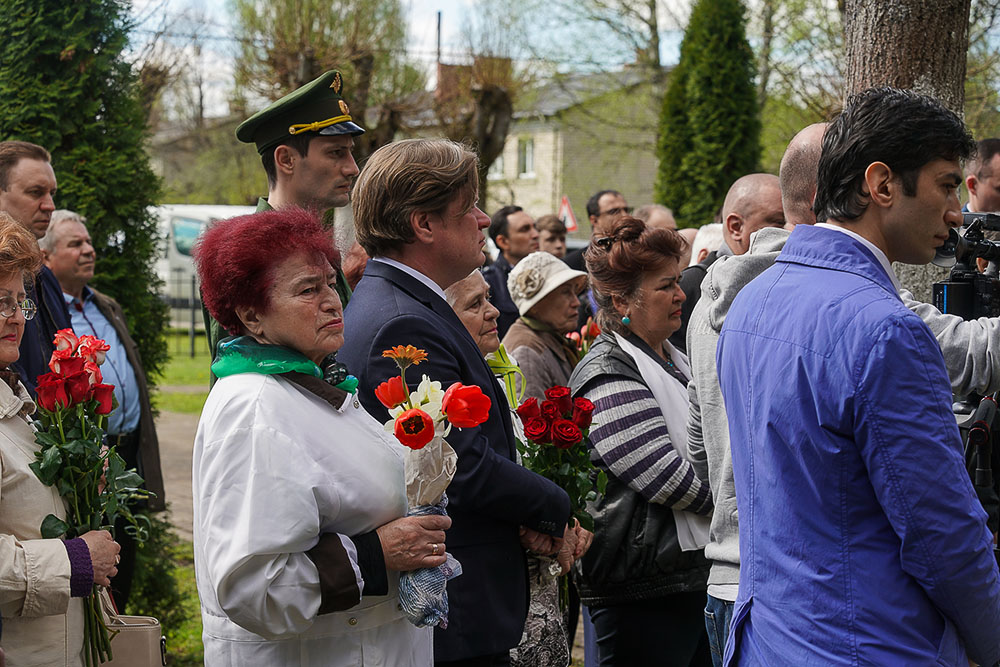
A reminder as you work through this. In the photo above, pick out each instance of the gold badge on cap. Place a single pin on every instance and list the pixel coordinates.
(337, 84)
(344, 108)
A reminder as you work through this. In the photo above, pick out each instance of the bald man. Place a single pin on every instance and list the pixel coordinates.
(797, 175)
(968, 348)
(752, 203)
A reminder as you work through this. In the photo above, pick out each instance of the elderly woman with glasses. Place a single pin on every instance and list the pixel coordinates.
(644, 579)
(299, 498)
(43, 579)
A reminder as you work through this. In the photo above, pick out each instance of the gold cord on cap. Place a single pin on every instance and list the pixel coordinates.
(318, 125)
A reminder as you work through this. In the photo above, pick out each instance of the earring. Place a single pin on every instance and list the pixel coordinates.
(626, 320)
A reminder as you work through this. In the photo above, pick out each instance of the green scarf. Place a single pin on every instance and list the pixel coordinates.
(243, 354)
(504, 367)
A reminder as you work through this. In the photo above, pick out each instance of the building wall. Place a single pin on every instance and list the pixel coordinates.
(534, 193)
(605, 143)
(610, 144)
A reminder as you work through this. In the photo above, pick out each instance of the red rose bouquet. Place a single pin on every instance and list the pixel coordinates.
(421, 420)
(555, 431)
(73, 403)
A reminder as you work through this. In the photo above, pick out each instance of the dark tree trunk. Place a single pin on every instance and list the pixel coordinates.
(916, 44)
(490, 124)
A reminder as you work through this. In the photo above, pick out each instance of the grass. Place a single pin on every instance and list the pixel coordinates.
(184, 382)
(184, 647)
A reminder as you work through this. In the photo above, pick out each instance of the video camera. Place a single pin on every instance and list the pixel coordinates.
(968, 293)
(971, 295)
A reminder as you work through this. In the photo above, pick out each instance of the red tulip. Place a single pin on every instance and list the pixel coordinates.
(414, 428)
(78, 387)
(562, 397)
(537, 429)
(583, 412)
(590, 329)
(529, 409)
(392, 392)
(52, 392)
(565, 434)
(465, 406)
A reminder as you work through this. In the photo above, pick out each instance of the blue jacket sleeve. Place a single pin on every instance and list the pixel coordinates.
(911, 447)
(486, 481)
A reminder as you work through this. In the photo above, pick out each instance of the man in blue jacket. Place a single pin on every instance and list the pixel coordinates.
(861, 538)
(416, 217)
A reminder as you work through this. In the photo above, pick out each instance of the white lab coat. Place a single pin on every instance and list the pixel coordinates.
(274, 467)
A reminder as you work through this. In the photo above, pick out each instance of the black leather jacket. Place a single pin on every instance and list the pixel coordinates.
(635, 554)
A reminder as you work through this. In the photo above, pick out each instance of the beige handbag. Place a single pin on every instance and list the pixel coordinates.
(136, 640)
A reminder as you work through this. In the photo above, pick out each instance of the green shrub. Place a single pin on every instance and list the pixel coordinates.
(709, 121)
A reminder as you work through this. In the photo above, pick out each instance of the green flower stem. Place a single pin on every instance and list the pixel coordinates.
(62, 435)
(402, 376)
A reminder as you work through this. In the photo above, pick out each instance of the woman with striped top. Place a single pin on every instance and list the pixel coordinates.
(644, 578)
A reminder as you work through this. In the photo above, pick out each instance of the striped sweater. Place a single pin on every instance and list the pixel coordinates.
(629, 438)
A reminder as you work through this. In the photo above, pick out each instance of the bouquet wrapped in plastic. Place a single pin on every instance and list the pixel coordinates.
(421, 420)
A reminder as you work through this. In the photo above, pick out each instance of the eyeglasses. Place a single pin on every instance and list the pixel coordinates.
(627, 210)
(9, 306)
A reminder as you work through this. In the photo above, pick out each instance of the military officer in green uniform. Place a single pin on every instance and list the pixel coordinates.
(305, 141)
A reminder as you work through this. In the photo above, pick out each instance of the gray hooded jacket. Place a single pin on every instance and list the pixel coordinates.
(971, 352)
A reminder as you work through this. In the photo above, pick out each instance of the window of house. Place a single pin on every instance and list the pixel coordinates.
(495, 172)
(525, 158)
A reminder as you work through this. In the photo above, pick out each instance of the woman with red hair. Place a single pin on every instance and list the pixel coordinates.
(299, 499)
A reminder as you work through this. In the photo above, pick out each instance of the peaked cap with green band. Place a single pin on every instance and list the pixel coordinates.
(315, 107)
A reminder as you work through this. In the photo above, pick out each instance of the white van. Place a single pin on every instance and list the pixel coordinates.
(179, 226)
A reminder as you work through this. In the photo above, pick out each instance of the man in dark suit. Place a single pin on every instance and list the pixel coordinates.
(415, 213)
(27, 188)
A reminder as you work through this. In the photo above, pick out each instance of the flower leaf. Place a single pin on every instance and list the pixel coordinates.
(53, 527)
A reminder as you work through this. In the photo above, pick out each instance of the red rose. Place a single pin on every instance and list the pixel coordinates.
(529, 409)
(583, 412)
(104, 394)
(66, 366)
(414, 428)
(93, 349)
(550, 411)
(565, 434)
(65, 339)
(537, 429)
(94, 371)
(562, 397)
(78, 387)
(52, 394)
(392, 392)
(465, 406)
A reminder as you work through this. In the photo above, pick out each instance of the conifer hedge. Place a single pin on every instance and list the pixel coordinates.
(709, 122)
(65, 85)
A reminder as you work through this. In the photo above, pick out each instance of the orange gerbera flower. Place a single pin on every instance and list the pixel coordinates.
(405, 355)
